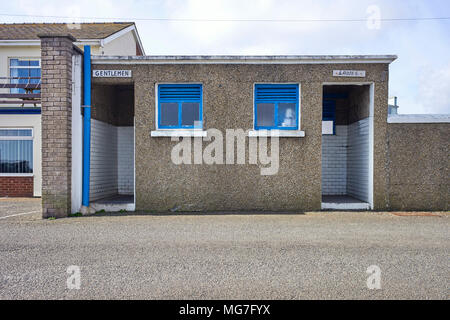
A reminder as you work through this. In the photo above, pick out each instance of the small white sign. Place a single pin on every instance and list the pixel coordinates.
(111, 73)
(327, 127)
(349, 73)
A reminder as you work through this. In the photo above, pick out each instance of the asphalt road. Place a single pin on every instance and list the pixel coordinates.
(312, 256)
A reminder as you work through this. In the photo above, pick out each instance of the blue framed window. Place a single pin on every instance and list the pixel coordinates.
(180, 106)
(276, 106)
(24, 69)
(16, 151)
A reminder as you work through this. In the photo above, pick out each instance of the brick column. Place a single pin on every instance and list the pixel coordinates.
(56, 95)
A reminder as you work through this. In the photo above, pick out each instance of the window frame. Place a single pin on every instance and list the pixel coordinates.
(179, 127)
(276, 127)
(23, 138)
(13, 90)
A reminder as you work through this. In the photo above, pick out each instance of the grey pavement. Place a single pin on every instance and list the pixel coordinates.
(317, 255)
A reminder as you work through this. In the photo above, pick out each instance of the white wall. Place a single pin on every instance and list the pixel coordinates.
(77, 135)
(29, 121)
(334, 162)
(7, 52)
(112, 160)
(124, 45)
(358, 160)
(125, 139)
(103, 180)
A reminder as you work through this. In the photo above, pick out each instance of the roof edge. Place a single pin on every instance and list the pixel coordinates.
(275, 59)
(57, 35)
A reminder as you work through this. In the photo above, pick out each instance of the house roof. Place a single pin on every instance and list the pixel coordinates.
(30, 31)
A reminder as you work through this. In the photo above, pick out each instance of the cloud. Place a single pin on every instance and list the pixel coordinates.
(434, 90)
(419, 77)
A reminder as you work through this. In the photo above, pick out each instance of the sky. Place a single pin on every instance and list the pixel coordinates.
(420, 77)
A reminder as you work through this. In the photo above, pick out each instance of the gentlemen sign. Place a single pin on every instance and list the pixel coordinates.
(111, 73)
(349, 73)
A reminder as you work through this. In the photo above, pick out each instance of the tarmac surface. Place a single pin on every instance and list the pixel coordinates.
(317, 255)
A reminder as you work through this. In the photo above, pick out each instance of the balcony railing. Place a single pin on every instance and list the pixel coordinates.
(29, 85)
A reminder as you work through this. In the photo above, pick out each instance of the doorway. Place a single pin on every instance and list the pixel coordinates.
(112, 148)
(347, 147)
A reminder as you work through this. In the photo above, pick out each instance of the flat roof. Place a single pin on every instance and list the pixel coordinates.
(239, 59)
(418, 118)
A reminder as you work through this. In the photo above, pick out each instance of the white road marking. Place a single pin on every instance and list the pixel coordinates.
(19, 214)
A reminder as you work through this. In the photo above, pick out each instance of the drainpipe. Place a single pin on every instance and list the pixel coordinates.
(86, 127)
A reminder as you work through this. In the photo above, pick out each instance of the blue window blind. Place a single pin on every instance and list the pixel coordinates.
(276, 106)
(16, 151)
(180, 106)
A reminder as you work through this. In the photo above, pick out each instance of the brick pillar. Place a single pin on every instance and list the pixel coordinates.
(56, 95)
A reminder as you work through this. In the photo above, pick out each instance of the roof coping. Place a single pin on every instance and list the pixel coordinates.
(246, 59)
(419, 118)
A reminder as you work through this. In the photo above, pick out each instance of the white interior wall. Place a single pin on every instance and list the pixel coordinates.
(358, 160)
(125, 139)
(103, 180)
(112, 160)
(345, 161)
(334, 162)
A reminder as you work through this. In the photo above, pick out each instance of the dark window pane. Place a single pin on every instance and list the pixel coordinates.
(169, 114)
(287, 116)
(190, 113)
(24, 73)
(34, 63)
(24, 132)
(16, 156)
(8, 132)
(15, 132)
(24, 63)
(265, 114)
(35, 73)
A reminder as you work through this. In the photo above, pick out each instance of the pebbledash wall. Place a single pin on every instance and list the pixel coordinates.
(228, 84)
(228, 104)
(419, 162)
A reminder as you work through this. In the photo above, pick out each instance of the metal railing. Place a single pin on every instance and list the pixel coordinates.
(29, 96)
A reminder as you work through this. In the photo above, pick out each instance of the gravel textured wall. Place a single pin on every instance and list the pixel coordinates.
(227, 104)
(419, 166)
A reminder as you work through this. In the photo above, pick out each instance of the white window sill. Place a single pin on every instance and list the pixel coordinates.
(277, 133)
(16, 174)
(178, 133)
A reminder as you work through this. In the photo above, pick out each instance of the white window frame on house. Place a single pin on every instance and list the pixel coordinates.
(177, 132)
(14, 90)
(21, 138)
(286, 133)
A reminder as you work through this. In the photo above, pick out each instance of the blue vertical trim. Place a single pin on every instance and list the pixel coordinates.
(87, 126)
(22, 110)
